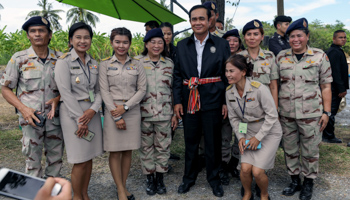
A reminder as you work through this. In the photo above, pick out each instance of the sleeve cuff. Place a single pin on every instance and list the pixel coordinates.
(259, 136)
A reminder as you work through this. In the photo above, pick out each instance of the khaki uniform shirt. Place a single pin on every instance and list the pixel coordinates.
(74, 85)
(34, 81)
(157, 103)
(120, 82)
(300, 95)
(218, 32)
(259, 106)
(265, 68)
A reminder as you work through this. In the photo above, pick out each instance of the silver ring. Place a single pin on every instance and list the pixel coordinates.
(27, 121)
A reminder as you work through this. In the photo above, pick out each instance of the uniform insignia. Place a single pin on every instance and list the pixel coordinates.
(30, 64)
(31, 55)
(232, 100)
(229, 87)
(309, 52)
(54, 63)
(146, 59)
(77, 80)
(147, 67)
(44, 20)
(216, 32)
(112, 68)
(256, 24)
(212, 49)
(290, 61)
(12, 61)
(106, 58)
(64, 55)
(213, 6)
(131, 64)
(250, 99)
(327, 59)
(162, 59)
(285, 61)
(29, 68)
(304, 24)
(75, 67)
(310, 61)
(52, 55)
(261, 54)
(255, 84)
(265, 64)
(93, 67)
(131, 68)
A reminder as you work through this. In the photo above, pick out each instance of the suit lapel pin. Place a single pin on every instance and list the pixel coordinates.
(212, 49)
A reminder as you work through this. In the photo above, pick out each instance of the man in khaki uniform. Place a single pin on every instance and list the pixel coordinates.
(32, 72)
(304, 104)
(214, 15)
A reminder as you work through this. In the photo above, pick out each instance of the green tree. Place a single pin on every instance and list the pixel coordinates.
(228, 24)
(47, 12)
(82, 15)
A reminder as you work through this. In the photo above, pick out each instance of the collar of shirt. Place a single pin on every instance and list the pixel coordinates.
(115, 59)
(75, 56)
(148, 59)
(32, 54)
(247, 88)
(197, 42)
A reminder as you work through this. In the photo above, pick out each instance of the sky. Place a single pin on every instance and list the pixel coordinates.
(327, 11)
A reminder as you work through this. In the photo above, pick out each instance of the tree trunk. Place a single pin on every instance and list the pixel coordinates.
(220, 8)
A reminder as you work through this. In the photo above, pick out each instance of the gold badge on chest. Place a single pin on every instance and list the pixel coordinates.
(77, 80)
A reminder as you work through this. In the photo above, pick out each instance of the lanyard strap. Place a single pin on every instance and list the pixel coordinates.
(82, 67)
(242, 110)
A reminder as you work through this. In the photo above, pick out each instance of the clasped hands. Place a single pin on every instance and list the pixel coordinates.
(251, 145)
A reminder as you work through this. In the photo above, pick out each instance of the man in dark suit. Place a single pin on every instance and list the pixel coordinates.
(199, 91)
(340, 82)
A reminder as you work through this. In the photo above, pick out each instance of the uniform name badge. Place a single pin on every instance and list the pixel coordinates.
(242, 128)
(91, 94)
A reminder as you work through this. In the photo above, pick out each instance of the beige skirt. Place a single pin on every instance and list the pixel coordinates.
(263, 158)
(78, 149)
(115, 139)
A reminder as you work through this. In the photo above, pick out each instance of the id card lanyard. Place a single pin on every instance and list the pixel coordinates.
(91, 93)
(242, 126)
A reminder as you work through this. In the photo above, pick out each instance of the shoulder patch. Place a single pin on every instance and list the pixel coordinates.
(138, 57)
(64, 55)
(229, 87)
(255, 84)
(106, 58)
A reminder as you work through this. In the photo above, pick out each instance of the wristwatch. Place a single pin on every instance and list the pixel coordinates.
(327, 113)
(126, 108)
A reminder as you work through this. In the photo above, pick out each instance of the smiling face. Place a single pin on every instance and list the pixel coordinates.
(155, 46)
(39, 35)
(168, 35)
(298, 41)
(121, 45)
(234, 43)
(253, 38)
(199, 21)
(234, 74)
(81, 40)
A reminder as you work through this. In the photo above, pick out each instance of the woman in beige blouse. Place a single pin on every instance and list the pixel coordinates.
(123, 85)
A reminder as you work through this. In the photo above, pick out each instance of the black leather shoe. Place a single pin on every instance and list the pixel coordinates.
(224, 177)
(151, 185)
(333, 140)
(242, 193)
(184, 187)
(161, 189)
(131, 197)
(218, 190)
(306, 191)
(174, 157)
(293, 187)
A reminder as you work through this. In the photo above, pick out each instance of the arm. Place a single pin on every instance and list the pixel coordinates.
(326, 100)
(63, 80)
(274, 76)
(274, 91)
(177, 86)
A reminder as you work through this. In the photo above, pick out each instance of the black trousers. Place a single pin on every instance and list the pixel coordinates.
(328, 132)
(208, 123)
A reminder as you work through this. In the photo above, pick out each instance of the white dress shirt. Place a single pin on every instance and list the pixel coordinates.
(199, 50)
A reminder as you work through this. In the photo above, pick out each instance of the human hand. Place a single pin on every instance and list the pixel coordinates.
(83, 130)
(121, 124)
(252, 144)
(118, 111)
(178, 109)
(323, 122)
(54, 103)
(224, 111)
(45, 192)
(343, 94)
(174, 122)
(28, 115)
(87, 116)
(241, 144)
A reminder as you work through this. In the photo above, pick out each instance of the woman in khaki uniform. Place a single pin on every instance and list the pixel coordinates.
(156, 111)
(76, 75)
(254, 118)
(123, 85)
(265, 69)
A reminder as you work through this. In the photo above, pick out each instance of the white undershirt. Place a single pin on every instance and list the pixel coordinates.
(199, 50)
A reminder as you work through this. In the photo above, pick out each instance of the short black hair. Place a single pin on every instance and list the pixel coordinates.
(152, 24)
(336, 33)
(218, 20)
(241, 63)
(167, 24)
(197, 7)
(120, 31)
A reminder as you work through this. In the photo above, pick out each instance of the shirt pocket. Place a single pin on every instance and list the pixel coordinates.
(263, 75)
(77, 76)
(253, 107)
(312, 102)
(132, 76)
(286, 73)
(32, 79)
(113, 76)
(93, 78)
(310, 74)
